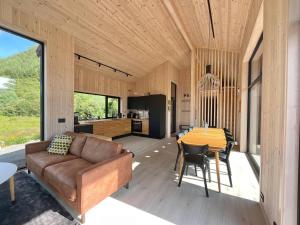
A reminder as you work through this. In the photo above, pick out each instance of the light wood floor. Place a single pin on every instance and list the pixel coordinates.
(154, 198)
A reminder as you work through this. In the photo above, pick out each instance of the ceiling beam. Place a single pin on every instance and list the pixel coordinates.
(174, 15)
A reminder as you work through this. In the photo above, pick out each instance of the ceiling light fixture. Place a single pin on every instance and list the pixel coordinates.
(102, 64)
(209, 81)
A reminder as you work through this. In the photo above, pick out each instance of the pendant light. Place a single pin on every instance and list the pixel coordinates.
(209, 81)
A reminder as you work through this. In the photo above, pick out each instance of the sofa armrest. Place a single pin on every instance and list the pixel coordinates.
(100, 180)
(36, 147)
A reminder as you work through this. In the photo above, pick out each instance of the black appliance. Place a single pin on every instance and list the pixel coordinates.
(136, 126)
(76, 118)
(83, 128)
(130, 115)
(156, 105)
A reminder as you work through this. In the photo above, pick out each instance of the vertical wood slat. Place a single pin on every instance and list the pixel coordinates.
(218, 108)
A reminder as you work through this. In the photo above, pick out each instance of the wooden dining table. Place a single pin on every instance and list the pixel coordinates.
(213, 137)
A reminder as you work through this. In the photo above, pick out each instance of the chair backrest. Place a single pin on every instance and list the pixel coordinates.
(229, 147)
(226, 130)
(229, 138)
(194, 149)
(179, 135)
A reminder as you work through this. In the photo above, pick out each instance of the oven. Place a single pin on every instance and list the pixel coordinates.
(136, 126)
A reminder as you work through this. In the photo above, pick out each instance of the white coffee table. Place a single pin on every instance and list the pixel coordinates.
(7, 171)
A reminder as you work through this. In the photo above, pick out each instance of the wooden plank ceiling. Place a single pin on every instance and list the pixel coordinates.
(133, 36)
(229, 19)
(137, 36)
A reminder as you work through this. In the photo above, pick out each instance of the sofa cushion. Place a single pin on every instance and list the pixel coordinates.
(62, 176)
(97, 150)
(60, 144)
(78, 142)
(38, 161)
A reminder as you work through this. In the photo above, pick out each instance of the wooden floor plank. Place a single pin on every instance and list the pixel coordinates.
(154, 198)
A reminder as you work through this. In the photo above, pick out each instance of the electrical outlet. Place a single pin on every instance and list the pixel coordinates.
(61, 120)
(262, 197)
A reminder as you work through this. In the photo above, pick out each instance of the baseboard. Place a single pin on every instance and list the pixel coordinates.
(121, 136)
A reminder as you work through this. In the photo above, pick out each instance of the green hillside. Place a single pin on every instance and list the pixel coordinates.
(20, 98)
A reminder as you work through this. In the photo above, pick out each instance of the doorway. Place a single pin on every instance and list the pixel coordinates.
(21, 94)
(173, 106)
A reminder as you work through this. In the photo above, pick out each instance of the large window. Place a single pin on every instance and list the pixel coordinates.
(21, 90)
(94, 107)
(254, 104)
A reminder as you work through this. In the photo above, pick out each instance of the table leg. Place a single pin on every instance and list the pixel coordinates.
(180, 163)
(218, 169)
(12, 188)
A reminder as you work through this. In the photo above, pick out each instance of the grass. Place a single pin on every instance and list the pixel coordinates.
(18, 129)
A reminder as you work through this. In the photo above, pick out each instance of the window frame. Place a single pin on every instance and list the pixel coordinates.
(106, 103)
(42, 77)
(250, 85)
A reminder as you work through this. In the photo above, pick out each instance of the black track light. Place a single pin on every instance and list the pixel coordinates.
(101, 64)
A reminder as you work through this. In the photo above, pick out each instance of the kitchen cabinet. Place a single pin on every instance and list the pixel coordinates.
(156, 105)
(138, 103)
(112, 128)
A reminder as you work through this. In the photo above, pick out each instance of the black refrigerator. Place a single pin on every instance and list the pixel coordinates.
(157, 116)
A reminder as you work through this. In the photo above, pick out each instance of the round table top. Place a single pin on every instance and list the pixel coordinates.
(7, 170)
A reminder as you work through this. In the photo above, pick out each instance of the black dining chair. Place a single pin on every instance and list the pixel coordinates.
(195, 155)
(224, 157)
(226, 130)
(178, 135)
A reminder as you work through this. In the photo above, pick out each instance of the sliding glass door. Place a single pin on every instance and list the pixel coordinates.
(254, 104)
(21, 91)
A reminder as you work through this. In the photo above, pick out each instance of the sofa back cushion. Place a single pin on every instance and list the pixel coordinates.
(96, 150)
(77, 143)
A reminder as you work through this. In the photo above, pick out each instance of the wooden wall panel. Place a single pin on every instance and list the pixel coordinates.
(253, 31)
(280, 111)
(90, 80)
(218, 107)
(59, 64)
(184, 96)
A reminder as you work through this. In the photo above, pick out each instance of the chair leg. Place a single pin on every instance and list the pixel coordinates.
(29, 172)
(229, 172)
(205, 184)
(82, 218)
(181, 174)
(187, 169)
(177, 157)
(196, 170)
(208, 171)
(126, 186)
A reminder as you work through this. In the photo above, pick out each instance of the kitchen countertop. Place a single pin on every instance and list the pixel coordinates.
(84, 122)
(91, 122)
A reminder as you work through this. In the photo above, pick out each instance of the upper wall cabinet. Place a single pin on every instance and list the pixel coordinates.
(140, 103)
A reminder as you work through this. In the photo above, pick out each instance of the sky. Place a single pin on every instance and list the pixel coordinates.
(11, 44)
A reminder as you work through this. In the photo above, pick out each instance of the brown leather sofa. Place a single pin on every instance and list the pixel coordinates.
(92, 170)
